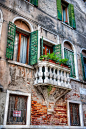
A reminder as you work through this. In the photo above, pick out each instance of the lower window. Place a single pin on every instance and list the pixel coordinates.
(74, 114)
(17, 110)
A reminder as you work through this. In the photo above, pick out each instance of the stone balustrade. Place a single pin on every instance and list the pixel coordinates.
(47, 73)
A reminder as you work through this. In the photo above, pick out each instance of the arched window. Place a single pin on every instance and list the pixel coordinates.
(83, 60)
(22, 38)
(69, 54)
(22, 44)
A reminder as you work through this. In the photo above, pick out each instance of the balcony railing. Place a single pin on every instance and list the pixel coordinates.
(47, 73)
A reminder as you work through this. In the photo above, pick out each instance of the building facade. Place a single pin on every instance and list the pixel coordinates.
(36, 92)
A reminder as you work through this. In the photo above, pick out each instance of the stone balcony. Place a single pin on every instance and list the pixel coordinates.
(48, 73)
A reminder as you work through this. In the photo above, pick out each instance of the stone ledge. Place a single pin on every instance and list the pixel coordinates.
(41, 127)
(20, 64)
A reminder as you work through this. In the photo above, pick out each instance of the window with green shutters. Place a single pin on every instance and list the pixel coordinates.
(21, 47)
(70, 56)
(33, 47)
(57, 50)
(10, 40)
(65, 13)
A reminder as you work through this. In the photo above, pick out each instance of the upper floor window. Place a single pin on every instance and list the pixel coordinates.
(65, 13)
(22, 44)
(83, 60)
(69, 54)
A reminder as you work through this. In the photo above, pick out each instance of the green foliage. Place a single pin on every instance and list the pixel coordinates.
(63, 61)
(53, 57)
(49, 88)
(41, 57)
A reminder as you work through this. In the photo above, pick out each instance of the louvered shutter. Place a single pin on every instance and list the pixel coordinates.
(71, 16)
(41, 46)
(57, 50)
(70, 56)
(10, 40)
(59, 10)
(83, 70)
(33, 47)
(34, 2)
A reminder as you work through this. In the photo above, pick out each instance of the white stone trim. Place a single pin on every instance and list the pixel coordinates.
(38, 41)
(20, 64)
(23, 19)
(47, 40)
(80, 112)
(82, 50)
(1, 21)
(28, 107)
(41, 127)
(75, 56)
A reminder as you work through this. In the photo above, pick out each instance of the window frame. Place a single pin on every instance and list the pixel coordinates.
(75, 58)
(28, 95)
(19, 45)
(80, 112)
(66, 10)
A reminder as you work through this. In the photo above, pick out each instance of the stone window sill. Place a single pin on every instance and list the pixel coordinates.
(20, 64)
(67, 25)
(28, 3)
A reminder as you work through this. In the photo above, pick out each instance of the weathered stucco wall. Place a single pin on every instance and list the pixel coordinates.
(18, 77)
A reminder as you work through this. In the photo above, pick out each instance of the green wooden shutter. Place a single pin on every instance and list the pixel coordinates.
(34, 2)
(83, 70)
(59, 10)
(33, 47)
(70, 56)
(71, 16)
(10, 40)
(57, 50)
(41, 47)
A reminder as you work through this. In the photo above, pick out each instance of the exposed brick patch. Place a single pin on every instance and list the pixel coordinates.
(39, 114)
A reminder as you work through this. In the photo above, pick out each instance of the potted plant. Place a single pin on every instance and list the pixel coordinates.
(45, 57)
(41, 57)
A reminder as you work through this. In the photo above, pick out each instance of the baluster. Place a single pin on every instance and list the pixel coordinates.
(65, 79)
(46, 73)
(62, 78)
(40, 74)
(54, 74)
(68, 79)
(59, 82)
(35, 82)
(51, 75)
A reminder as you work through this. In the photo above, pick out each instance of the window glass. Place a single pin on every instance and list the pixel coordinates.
(64, 12)
(17, 110)
(20, 48)
(69, 54)
(74, 114)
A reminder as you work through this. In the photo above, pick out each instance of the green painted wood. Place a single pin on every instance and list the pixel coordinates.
(71, 16)
(59, 10)
(83, 70)
(41, 46)
(33, 48)
(57, 50)
(10, 40)
(70, 56)
(34, 2)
